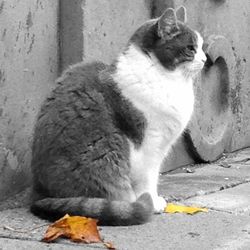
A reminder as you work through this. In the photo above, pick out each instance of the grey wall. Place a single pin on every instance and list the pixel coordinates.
(39, 38)
(28, 67)
(223, 124)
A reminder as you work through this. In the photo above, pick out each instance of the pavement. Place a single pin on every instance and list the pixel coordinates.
(222, 187)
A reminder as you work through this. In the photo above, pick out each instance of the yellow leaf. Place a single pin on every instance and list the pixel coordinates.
(76, 228)
(173, 208)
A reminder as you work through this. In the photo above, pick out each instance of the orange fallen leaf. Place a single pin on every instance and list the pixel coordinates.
(174, 208)
(76, 228)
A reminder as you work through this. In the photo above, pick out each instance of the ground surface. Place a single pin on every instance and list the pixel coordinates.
(223, 187)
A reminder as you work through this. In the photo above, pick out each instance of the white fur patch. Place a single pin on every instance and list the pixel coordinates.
(200, 56)
(166, 99)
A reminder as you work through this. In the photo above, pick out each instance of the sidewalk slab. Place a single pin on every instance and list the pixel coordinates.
(235, 200)
(224, 187)
(228, 172)
(204, 231)
(18, 244)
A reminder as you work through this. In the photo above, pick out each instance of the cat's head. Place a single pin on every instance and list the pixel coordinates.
(172, 42)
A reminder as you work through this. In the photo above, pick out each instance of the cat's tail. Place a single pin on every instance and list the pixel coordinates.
(115, 213)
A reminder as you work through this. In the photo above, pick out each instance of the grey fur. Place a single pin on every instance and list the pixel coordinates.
(80, 149)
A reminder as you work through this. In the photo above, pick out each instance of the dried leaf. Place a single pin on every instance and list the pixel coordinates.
(76, 228)
(173, 208)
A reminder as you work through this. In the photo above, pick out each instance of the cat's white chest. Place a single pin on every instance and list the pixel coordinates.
(167, 110)
(165, 98)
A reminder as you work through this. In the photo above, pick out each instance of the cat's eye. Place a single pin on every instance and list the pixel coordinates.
(191, 48)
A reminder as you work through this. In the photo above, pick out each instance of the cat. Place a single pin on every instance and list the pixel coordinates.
(103, 132)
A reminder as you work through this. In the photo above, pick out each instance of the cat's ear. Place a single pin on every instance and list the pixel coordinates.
(167, 25)
(181, 14)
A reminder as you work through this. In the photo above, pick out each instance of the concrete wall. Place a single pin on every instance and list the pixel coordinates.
(32, 33)
(221, 121)
(28, 67)
(70, 32)
(229, 19)
(98, 30)
(109, 24)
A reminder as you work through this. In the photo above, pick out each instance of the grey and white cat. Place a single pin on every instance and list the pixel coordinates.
(104, 131)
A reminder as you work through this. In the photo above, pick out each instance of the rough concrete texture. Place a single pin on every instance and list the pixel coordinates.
(71, 32)
(109, 24)
(177, 156)
(229, 19)
(17, 244)
(28, 67)
(213, 230)
(92, 30)
(204, 179)
(221, 119)
(98, 30)
(235, 200)
(223, 227)
(211, 127)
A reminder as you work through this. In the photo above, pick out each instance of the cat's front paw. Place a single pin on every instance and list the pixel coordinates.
(159, 204)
